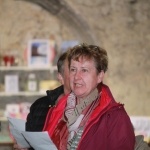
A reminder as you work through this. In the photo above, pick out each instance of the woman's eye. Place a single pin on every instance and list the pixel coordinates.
(72, 70)
(84, 70)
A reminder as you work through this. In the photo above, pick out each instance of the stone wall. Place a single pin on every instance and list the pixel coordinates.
(121, 27)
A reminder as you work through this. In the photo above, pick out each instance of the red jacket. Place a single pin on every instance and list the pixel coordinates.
(109, 126)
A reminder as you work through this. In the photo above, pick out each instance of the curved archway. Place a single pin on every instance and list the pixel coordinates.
(76, 24)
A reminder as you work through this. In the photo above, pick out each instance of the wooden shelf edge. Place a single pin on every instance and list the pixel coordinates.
(26, 68)
(22, 94)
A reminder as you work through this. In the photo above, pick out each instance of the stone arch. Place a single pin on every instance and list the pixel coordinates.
(63, 12)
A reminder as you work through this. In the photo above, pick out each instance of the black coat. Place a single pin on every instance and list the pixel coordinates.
(39, 109)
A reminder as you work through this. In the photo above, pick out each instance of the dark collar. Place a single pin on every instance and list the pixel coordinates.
(54, 94)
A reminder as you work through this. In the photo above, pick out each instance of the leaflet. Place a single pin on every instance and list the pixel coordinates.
(39, 140)
(16, 126)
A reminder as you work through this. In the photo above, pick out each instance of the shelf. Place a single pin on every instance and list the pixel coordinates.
(3, 119)
(25, 68)
(51, 69)
(23, 94)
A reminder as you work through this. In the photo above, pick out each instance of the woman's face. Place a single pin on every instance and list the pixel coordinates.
(83, 77)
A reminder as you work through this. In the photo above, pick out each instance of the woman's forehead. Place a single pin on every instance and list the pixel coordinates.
(83, 61)
(82, 58)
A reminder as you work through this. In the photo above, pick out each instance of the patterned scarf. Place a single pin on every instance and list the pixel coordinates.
(75, 116)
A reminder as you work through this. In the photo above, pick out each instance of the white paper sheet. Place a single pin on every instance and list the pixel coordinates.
(16, 127)
(39, 140)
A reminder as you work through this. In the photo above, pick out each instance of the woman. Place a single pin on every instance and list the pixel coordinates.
(89, 118)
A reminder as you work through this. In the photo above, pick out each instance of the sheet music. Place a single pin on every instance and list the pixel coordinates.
(16, 126)
(39, 140)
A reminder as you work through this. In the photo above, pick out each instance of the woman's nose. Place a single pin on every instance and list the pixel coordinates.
(77, 75)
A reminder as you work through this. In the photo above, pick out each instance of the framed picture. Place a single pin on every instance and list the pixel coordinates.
(39, 53)
(68, 44)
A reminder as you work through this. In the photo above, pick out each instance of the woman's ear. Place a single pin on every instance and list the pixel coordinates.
(101, 76)
(60, 78)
